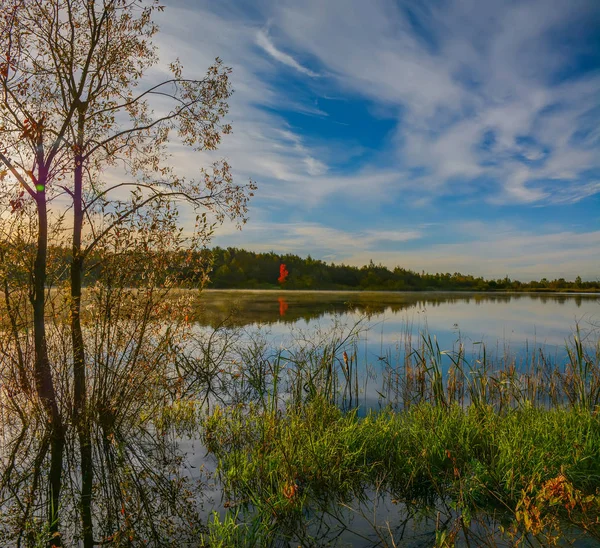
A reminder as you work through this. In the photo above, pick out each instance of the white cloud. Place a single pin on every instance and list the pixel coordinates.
(488, 68)
(263, 40)
(494, 250)
(263, 146)
(484, 70)
(474, 69)
(318, 239)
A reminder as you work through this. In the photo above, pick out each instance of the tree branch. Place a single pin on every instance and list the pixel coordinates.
(17, 175)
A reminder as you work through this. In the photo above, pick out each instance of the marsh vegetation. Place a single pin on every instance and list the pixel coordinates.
(458, 450)
(108, 369)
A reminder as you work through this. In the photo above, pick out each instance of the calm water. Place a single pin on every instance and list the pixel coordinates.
(386, 326)
(507, 324)
(512, 327)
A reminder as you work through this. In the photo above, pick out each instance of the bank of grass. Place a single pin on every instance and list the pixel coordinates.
(493, 450)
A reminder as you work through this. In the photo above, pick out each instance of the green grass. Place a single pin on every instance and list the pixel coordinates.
(276, 466)
(463, 443)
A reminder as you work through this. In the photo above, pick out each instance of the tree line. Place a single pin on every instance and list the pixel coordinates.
(234, 268)
(239, 268)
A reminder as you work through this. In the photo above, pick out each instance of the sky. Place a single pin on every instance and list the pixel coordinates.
(444, 136)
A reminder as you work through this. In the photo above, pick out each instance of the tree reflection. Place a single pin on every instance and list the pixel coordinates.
(269, 307)
(138, 399)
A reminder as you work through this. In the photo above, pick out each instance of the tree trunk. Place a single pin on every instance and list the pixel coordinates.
(43, 372)
(80, 415)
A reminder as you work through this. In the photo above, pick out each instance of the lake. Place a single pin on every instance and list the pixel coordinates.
(507, 325)
(379, 331)
(510, 318)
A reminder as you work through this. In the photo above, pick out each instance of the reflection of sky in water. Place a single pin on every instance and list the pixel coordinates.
(505, 326)
(512, 328)
(500, 325)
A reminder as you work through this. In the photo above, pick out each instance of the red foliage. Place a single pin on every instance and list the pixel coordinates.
(283, 273)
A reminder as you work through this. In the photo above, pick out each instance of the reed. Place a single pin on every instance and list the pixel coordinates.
(497, 450)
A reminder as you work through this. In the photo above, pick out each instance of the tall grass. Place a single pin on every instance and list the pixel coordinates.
(490, 451)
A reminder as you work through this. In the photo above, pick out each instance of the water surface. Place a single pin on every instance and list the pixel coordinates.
(385, 328)
(504, 322)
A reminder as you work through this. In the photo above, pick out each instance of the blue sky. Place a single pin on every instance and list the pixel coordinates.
(441, 135)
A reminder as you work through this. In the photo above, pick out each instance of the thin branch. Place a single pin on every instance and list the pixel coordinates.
(17, 175)
(149, 91)
(139, 129)
(137, 207)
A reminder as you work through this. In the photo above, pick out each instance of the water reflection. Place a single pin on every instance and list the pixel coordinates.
(268, 307)
(505, 322)
(138, 493)
(283, 306)
(148, 380)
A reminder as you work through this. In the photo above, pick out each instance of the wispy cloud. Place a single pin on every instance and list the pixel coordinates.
(463, 70)
(494, 109)
(311, 238)
(265, 42)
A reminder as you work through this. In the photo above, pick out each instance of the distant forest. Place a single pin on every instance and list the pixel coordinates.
(238, 268)
(234, 268)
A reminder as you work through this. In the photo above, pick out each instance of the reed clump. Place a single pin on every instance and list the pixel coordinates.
(495, 452)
